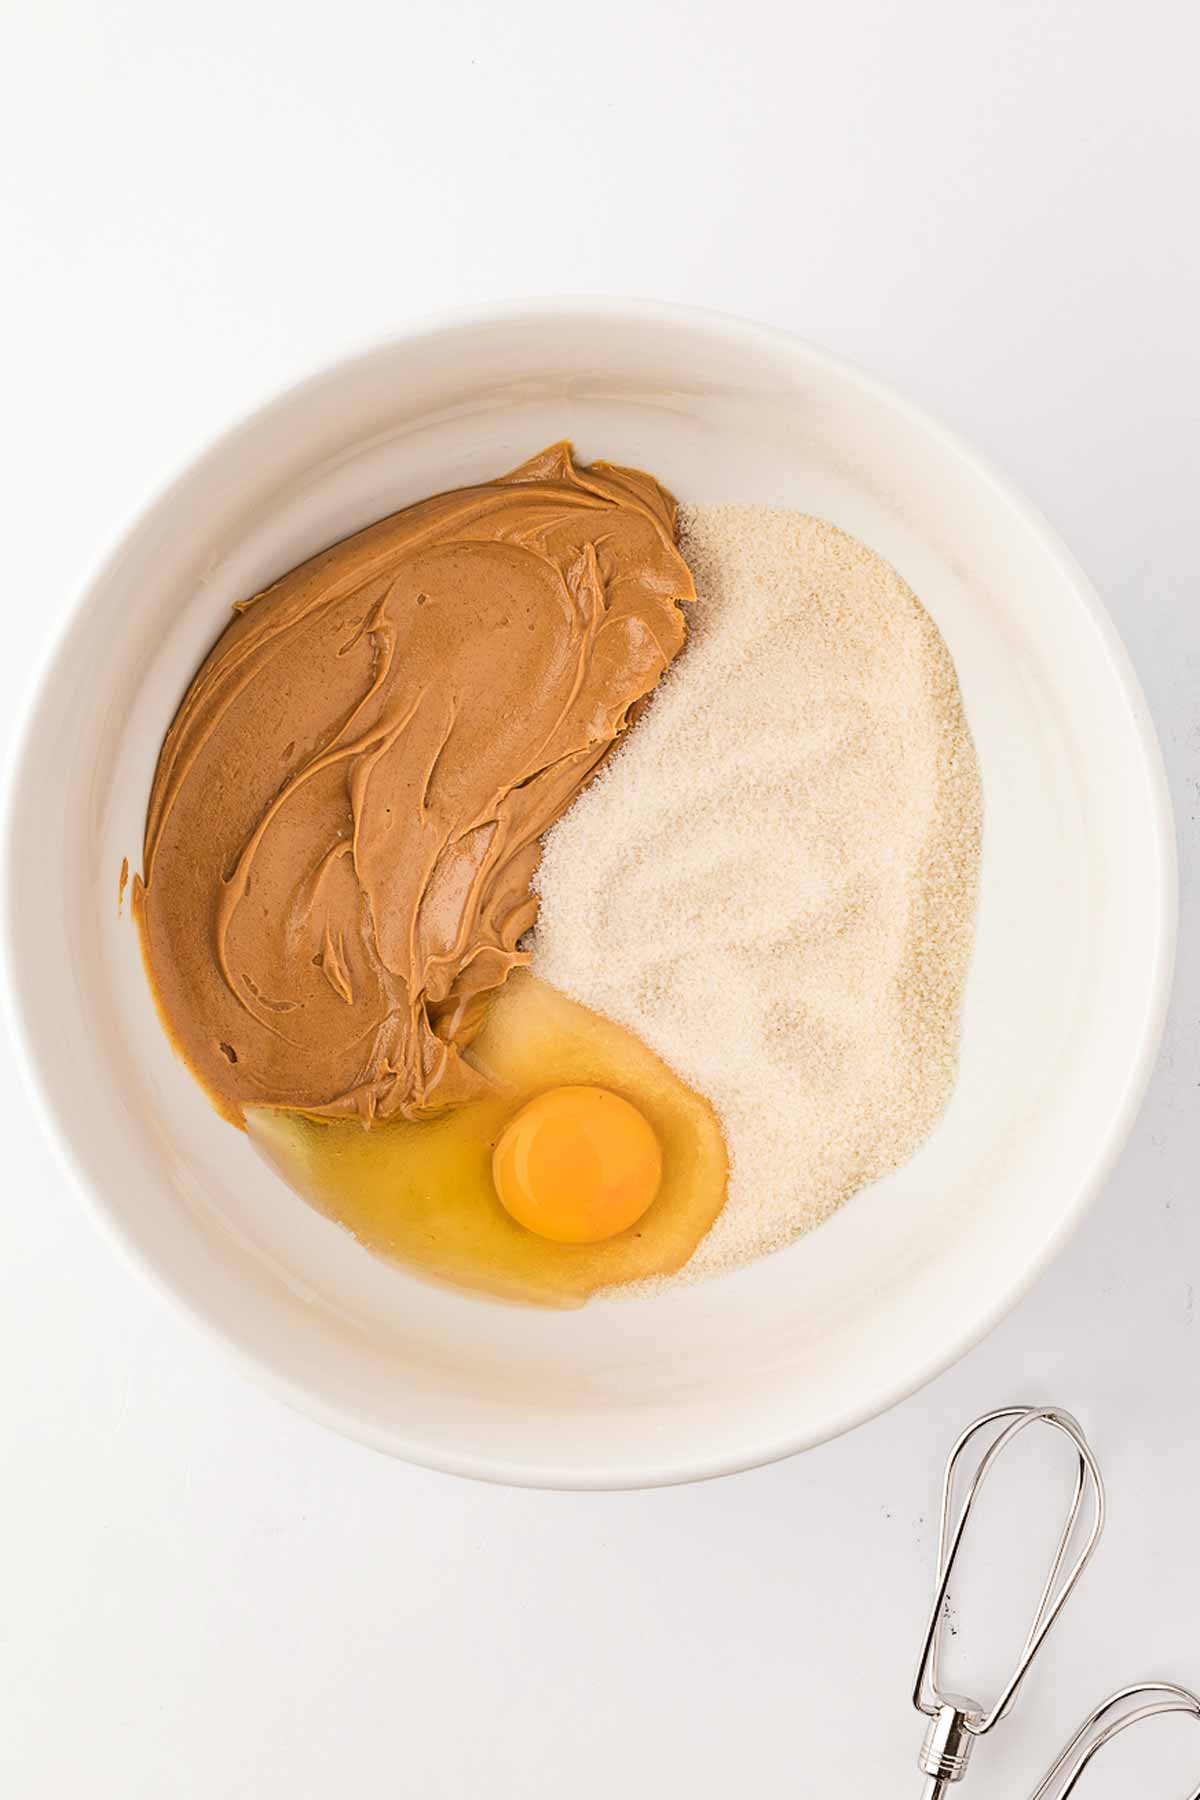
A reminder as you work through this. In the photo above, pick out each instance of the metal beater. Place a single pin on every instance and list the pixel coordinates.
(955, 1721)
(1120, 1711)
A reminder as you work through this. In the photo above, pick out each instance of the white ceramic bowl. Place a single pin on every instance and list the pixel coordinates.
(1065, 998)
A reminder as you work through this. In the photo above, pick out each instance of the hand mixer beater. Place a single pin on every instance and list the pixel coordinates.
(955, 1721)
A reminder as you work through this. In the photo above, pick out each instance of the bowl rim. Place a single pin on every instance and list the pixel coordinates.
(54, 1117)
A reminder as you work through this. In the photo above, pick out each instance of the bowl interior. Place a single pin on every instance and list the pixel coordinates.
(1064, 999)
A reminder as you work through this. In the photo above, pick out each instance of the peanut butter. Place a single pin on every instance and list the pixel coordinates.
(346, 814)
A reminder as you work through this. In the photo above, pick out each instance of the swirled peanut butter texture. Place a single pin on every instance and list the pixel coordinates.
(346, 814)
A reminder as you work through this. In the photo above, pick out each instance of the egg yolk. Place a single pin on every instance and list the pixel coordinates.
(577, 1165)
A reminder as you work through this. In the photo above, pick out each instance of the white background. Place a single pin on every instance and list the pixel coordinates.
(996, 209)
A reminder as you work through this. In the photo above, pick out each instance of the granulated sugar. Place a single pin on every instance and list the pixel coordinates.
(773, 880)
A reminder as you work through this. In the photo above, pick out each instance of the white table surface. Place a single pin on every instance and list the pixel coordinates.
(993, 207)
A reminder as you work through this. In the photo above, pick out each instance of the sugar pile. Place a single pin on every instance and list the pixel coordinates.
(773, 880)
